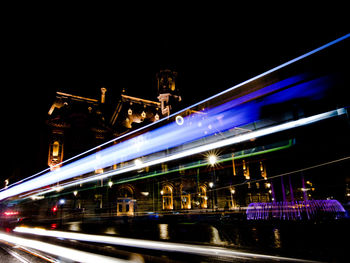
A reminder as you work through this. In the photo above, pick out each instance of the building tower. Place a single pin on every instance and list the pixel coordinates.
(168, 93)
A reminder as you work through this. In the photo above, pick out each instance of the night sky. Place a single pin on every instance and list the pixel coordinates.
(42, 55)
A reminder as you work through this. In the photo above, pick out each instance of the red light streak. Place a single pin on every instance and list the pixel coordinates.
(10, 213)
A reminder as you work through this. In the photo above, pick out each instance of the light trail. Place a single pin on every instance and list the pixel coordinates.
(225, 158)
(16, 255)
(68, 253)
(202, 250)
(201, 102)
(197, 104)
(232, 114)
(212, 146)
(289, 173)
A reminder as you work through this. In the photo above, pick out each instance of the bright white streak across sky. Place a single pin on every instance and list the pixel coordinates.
(80, 167)
(214, 145)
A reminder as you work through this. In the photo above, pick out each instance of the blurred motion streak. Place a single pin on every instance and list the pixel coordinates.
(192, 151)
(156, 245)
(232, 114)
(68, 253)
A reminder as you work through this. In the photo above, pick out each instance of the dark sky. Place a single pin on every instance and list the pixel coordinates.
(42, 55)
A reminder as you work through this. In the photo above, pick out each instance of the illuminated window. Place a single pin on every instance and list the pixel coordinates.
(125, 201)
(246, 170)
(55, 155)
(167, 197)
(55, 149)
(263, 170)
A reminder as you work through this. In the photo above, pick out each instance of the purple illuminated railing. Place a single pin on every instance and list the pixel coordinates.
(297, 210)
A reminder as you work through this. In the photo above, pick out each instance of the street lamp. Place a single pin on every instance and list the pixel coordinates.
(212, 159)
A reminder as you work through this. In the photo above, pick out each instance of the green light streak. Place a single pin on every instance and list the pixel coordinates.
(237, 156)
(198, 164)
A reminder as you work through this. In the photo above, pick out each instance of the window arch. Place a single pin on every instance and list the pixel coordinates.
(167, 197)
(125, 201)
(125, 191)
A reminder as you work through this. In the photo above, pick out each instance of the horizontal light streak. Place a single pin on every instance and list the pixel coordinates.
(231, 114)
(215, 145)
(68, 253)
(226, 116)
(199, 103)
(154, 245)
(224, 158)
(238, 155)
(16, 255)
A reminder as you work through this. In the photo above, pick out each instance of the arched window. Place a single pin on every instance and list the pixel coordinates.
(125, 201)
(167, 197)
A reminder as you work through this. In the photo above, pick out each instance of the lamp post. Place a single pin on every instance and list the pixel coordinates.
(211, 185)
(212, 159)
(110, 184)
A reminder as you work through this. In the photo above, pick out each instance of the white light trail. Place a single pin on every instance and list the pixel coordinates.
(154, 245)
(196, 104)
(127, 150)
(16, 255)
(215, 145)
(68, 253)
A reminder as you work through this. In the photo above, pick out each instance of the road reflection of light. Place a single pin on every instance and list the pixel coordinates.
(215, 237)
(111, 231)
(156, 245)
(74, 226)
(163, 231)
(277, 237)
(68, 253)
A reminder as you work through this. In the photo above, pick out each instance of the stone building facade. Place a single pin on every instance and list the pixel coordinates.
(78, 124)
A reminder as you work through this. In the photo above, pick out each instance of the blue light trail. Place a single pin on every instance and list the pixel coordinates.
(235, 113)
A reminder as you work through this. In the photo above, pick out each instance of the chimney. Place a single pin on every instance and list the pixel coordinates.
(103, 94)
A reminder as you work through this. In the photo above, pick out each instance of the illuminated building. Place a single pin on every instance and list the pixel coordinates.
(78, 123)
